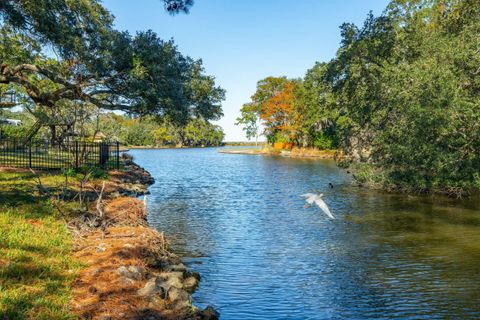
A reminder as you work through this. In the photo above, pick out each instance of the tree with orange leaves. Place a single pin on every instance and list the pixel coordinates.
(278, 113)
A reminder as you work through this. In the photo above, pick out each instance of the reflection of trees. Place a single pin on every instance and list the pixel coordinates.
(408, 256)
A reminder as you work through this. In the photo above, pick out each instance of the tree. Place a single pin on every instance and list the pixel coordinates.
(176, 6)
(250, 120)
(200, 133)
(318, 125)
(97, 65)
(261, 103)
(359, 83)
(278, 114)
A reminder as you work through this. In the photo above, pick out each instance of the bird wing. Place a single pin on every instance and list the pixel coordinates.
(324, 207)
(310, 197)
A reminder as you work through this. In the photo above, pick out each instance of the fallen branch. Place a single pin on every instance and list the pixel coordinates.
(99, 202)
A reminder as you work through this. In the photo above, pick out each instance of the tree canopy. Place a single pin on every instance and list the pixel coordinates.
(59, 53)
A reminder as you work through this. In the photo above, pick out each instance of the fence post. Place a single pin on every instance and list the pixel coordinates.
(76, 155)
(104, 154)
(30, 154)
(118, 156)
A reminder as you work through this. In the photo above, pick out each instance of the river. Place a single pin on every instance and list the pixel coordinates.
(240, 222)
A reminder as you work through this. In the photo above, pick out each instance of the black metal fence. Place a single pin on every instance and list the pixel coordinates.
(41, 154)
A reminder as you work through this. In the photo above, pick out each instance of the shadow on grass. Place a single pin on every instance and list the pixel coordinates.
(28, 271)
(26, 305)
(16, 197)
(30, 288)
(34, 246)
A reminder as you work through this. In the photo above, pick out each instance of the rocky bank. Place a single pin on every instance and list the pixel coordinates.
(128, 271)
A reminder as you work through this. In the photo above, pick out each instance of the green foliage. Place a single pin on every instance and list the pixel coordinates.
(323, 142)
(8, 131)
(279, 137)
(200, 133)
(91, 172)
(149, 131)
(69, 172)
(250, 120)
(98, 65)
(402, 94)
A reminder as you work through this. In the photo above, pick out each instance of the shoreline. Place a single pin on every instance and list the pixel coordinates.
(308, 153)
(227, 144)
(80, 246)
(167, 147)
(128, 269)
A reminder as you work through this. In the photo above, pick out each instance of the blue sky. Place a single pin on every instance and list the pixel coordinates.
(243, 41)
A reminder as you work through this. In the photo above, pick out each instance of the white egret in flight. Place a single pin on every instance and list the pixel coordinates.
(317, 199)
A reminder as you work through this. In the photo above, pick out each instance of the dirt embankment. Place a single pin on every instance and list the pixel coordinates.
(129, 272)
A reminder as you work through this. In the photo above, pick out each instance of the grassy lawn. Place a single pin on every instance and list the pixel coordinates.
(36, 268)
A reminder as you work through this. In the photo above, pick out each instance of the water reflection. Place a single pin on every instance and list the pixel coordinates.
(241, 221)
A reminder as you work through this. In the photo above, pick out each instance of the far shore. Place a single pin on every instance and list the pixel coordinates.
(169, 147)
(311, 153)
(293, 153)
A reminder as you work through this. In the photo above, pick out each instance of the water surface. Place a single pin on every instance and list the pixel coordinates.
(239, 221)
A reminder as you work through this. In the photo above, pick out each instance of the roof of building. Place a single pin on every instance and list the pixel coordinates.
(100, 135)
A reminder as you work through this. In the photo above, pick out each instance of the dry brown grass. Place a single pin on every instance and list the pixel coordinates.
(100, 290)
(312, 153)
(126, 211)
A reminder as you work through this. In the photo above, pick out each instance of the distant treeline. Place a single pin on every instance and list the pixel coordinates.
(146, 131)
(149, 131)
(400, 100)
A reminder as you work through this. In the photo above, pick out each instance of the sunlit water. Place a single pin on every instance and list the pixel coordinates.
(239, 221)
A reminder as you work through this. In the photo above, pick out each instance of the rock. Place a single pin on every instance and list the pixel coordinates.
(100, 248)
(132, 272)
(209, 314)
(172, 279)
(127, 281)
(178, 267)
(154, 286)
(194, 274)
(138, 272)
(182, 305)
(123, 271)
(190, 284)
(176, 294)
(156, 302)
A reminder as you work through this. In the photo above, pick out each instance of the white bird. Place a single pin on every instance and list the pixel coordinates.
(317, 199)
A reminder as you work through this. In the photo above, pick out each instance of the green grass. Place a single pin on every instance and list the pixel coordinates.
(36, 267)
